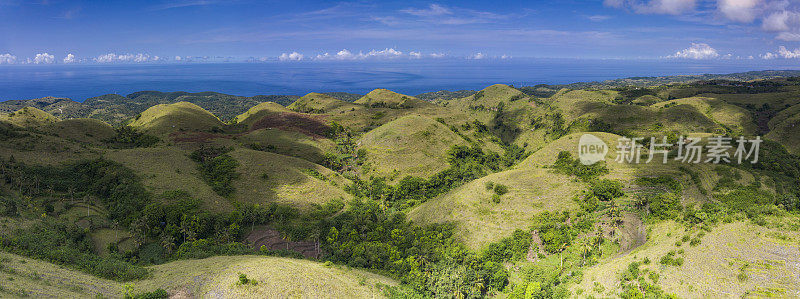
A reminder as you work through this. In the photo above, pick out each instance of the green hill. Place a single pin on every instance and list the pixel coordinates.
(410, 145)
(320, 103)
(268, 177)
(786, 133)
(164, 119)
(166, 169)
(216, 276)
(480, 221)
(82, 129)
(29, 117)
(390, 99)
(737, 259)
(258, 112)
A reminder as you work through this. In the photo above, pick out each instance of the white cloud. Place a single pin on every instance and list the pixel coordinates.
(138, 58)
(294, 56)
(415, 54)
(70, 58)
(478, 55)
(672, 7)
(744, 11)
(345, 54)
(768, 55)
(783, 52)
(7, 59)
(598, 18)
(44, 58)
(505, 56)
(696, 51)
(437, 55)
(178, 58)
(432, 11)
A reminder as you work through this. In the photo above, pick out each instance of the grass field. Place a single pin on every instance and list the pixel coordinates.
(163, 119)
(268, 177)
(166, 169)
(481, 221)
(28, 117)
(214, 277)
(410, 145)
(768, 257)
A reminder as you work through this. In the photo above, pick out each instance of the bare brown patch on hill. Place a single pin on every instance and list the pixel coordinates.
(311, 125)
(272, 240)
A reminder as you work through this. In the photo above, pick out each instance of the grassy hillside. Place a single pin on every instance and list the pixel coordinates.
(268, 177)
(82, 130)
(164, 119)
(481, 221)
(390, 99)
(410, 145)
(737, 259)
(320, 103)
(169, 168)
(216, 276)
(257, 112)
(476, 194)
(29, 117)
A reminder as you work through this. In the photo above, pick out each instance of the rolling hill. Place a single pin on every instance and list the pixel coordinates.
(216, 276)
(389, 99)
(29, 117)
(161, 120)
(410, 145)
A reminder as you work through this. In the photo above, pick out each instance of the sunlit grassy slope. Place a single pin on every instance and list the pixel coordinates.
(410, 145)
(169, 168)
(267, 177)
(29, 117)
(256, 113)
(214, 277)
(733, 260)
(163, 119)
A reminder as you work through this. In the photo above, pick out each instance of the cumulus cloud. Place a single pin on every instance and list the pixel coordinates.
(44, 58)
(138, 58)
(178, 58)
(744, 11)
(345, 54)
(781, 17)
(783, 52)
(413, 54)
(432, 11)
(7, 59)
(696, 51)
(478, 55)
(437, 55)
(672, 7)
(70, 58)
(294, 56)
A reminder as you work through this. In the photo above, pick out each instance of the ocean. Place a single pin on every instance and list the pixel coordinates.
(79, 82)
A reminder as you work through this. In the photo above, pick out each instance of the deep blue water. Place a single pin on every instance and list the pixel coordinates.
(80, 82)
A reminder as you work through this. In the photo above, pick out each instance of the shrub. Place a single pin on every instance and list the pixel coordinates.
(500, 189)
(243, 280)
(665, 206)
(496, 198)
(489, 185)
(567, 165)
(606, 189)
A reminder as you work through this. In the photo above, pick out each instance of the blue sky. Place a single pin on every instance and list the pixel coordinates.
(206, 30)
